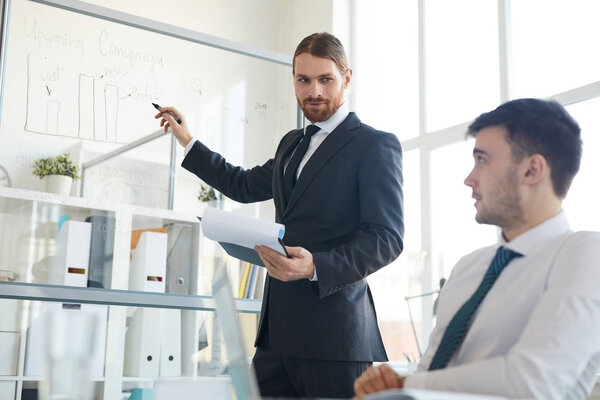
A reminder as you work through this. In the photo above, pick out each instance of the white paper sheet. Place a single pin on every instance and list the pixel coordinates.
(223, 226)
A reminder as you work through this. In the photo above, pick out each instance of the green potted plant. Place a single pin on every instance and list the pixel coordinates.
(206, 194)
(57, 173)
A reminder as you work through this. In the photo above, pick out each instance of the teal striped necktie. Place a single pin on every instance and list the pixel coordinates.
(459, 325)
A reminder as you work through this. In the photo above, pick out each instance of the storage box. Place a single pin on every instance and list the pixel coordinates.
(10, 310)
(9, 351)
(8, 390)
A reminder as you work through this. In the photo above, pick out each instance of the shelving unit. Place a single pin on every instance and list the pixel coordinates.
(28, 227)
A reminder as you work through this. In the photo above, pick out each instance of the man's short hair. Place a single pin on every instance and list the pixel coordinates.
(539, 127)
(323, 45)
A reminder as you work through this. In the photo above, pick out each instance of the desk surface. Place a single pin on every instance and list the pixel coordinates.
(413, 394)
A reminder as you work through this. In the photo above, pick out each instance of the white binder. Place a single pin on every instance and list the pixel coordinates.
(142, 343)
(170, 343)
(70, 265)
(149, 263)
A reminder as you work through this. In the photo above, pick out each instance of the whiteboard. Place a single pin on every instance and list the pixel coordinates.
(72, 79)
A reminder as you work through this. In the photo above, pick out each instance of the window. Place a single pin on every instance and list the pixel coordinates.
(549, 53)
(461, 60)
(554, 45)
(388, 70)
(582, 204)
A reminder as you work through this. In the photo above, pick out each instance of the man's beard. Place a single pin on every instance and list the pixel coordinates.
(325, 112)
(507, 210)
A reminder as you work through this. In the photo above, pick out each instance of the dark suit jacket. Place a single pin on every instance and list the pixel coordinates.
(347, 210)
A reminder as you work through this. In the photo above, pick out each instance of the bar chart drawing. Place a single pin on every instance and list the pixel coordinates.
(95, 105)
(52, 117)
(86, 107)
(111, 111)
(42, 113)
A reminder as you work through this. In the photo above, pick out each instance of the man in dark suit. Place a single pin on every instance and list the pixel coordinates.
(337, 188)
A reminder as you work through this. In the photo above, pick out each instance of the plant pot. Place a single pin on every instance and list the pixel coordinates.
(59, 184)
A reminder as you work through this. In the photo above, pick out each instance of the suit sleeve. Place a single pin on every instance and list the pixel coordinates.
(379, 239)
(244, 186)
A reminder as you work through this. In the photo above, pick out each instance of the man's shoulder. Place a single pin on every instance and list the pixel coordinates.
(366, 128)
(367, 134)
(573, 267)
(579, 241)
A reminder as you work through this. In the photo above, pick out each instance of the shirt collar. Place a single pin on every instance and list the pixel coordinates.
(337, 118)
(530, 240)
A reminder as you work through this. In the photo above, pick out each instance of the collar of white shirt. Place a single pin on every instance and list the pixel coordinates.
(337, 118)
(528, 242)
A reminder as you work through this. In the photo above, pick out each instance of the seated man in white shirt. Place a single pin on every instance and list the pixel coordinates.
(519, 319)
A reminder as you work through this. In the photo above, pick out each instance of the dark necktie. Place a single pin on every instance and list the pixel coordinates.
(289, 178)
(459, 325)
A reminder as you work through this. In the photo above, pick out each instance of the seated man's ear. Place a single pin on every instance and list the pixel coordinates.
(536, 169)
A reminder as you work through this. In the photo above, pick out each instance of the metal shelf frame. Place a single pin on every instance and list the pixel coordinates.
(129, 298)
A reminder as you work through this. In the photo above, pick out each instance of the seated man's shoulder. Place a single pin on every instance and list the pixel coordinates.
(574, 266)
(586, 241)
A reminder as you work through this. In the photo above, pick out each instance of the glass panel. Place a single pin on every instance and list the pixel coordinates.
(554, 46)
(461, 60)
(87, 92)
(388, 86)
(401, 278)
(455, 232)
(582, 203)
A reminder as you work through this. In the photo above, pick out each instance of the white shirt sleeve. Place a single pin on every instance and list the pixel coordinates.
(189, 147)
(559, 344)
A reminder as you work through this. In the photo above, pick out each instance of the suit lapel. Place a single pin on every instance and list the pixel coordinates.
(288, 146)
(330, 146)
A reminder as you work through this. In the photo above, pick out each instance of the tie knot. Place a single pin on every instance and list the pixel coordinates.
(503, 257)
(507, 253)
(311, 130)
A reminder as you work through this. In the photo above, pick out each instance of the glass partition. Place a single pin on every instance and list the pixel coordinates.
(90, 91)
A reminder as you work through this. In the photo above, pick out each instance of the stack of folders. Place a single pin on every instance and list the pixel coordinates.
(251, 274)
(148, 354)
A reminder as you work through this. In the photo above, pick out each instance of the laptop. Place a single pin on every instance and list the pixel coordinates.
(242, 375)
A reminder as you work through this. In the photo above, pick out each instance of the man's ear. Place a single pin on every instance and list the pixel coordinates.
(536, 169)
(347, 78)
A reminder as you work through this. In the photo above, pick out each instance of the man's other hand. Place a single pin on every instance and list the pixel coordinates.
(376, 379)
(300, 266)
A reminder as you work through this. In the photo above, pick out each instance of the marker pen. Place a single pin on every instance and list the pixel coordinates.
(170, 113)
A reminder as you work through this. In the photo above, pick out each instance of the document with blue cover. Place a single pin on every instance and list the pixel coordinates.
(238, 234)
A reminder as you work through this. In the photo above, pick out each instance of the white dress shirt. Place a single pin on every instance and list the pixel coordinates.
(326, 128)
(537, 332)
